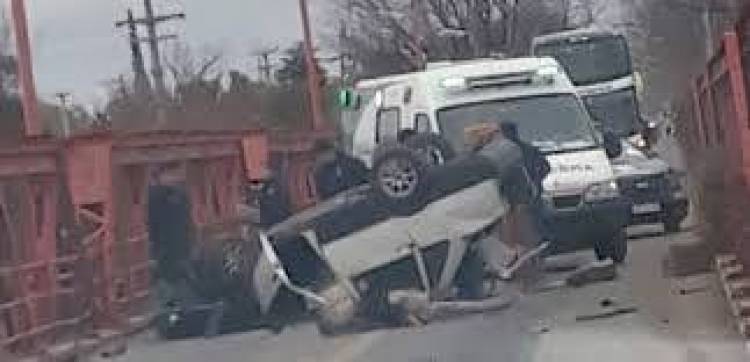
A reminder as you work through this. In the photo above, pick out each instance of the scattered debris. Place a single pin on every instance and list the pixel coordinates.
(507, 273)
(606, 314)
(418, 309)
(559, 268)
(552, 285)
(594, 272)
(606, 303)
(688, 291)
(541, 328)
(563, 264)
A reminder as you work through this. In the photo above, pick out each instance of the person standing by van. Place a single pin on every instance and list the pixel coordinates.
(536, 168)
(522, 187)
(486, 140)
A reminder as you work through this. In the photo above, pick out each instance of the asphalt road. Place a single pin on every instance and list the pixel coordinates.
(667, 326)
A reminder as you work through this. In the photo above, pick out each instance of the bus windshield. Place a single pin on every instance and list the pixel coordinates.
(615, 112)
(590, 60)
(554, 123)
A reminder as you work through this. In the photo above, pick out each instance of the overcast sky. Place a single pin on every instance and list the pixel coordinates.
(77, 48)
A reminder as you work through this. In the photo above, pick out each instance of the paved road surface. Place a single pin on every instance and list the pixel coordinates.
(540, 327)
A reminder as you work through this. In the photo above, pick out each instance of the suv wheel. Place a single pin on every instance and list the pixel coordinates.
(398, 178)
(672, 226)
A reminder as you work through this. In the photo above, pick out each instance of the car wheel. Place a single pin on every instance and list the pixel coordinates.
(398, 179)
(168, 326)
(672, 226)
(615, 247)
(435, 149)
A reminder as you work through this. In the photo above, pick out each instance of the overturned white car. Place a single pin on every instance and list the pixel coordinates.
(414, 226)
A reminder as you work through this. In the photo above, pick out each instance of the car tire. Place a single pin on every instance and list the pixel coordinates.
(435, 149)
(166, 329)
(398, 179)
(615, 247)
(672, 226)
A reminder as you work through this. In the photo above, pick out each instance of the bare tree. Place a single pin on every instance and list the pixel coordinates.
(197, 88)
(389, 36)
(668, 49)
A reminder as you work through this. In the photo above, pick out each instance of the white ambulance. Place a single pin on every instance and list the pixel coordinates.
(581, 194)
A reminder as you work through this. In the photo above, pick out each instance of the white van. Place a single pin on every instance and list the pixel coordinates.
(581, 192)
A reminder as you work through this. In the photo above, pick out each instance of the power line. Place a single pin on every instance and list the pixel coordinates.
(264, 64)
(141, 84)
(151, 21)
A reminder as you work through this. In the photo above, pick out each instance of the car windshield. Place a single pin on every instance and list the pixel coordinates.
(615, 112)
(590, 60)
(554, 123)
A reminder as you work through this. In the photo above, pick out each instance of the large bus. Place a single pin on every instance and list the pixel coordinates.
(599, 65)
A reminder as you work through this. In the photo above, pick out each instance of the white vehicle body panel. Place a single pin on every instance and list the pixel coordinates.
(447, 219)
(633, 162)
(428, 96)
(444, 219)
(572, 172)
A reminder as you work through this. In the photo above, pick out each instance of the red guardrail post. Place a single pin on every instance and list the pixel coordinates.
(89, 171)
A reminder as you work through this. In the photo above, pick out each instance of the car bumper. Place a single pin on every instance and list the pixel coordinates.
(668, 208)
(581, 226)
(655, 198)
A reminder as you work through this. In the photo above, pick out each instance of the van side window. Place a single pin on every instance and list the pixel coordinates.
(422, 123)
(387, 125)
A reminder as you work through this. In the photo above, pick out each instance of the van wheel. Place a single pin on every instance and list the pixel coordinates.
(615, 247)
(435, 149)
(672, 226)
(398, 179)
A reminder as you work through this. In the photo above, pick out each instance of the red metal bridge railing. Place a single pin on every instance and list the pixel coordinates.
(74, 244)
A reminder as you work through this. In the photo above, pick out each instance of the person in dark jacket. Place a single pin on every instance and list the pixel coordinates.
(335, 171)
(524, 228)
(274, 207)
(536, 168)
(536, 165)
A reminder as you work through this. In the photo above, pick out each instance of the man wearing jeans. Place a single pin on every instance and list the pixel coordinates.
(522, 187)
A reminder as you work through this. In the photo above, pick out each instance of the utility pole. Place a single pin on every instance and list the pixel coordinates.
(313, 77)
(264, 63)
(141, 84)
(64, 114)
(31, 120)
(151, 21)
